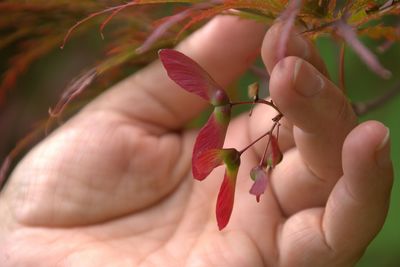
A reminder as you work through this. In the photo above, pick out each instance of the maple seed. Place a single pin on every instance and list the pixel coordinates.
(206, 162)
(208, 152)
(194, 79)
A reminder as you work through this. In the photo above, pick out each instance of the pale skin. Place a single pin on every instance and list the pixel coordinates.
(113, 186)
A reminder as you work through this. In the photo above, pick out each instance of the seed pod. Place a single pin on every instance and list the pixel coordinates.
(276, 155)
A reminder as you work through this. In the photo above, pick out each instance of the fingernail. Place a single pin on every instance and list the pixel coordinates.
(307, 82)
(383, 151)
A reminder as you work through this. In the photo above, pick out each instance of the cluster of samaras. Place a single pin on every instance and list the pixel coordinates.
(208, 151)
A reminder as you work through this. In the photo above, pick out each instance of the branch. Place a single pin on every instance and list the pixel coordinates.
(362, 108)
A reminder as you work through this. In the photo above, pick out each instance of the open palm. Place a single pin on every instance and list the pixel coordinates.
(112, 187)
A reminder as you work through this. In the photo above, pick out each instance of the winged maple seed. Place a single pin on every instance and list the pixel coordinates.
(208, 151)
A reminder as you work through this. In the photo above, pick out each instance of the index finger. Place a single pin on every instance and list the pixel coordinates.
(321, 115)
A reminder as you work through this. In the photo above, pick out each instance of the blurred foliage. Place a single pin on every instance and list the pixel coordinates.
(35, 72)
(32, 29)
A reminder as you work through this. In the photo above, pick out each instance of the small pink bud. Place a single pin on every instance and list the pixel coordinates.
(260, 178)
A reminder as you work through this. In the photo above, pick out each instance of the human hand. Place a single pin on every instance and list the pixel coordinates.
(112, 187)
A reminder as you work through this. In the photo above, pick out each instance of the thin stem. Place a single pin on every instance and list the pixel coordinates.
(277, 132)
(242, 103)
(276, 122)
(264, 153)
(269, 103)
(254, 142)
(5, 166)
(269, 141)
(257, 101)
(361, 108)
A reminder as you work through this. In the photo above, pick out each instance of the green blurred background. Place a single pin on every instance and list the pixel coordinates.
(362, 85)
(40, 87)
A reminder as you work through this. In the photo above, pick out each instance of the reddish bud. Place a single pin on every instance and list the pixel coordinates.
(276, 155)
(219, 98)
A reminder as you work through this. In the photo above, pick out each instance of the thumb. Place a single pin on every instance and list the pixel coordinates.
(357, 207)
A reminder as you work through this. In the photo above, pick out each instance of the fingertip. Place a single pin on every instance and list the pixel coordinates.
(371, 142)
(382, 155)
(320, 112)
(298, 75)
(297, 45)
(359, 202)
(367, 164)
(296, 88)
(281, 81)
